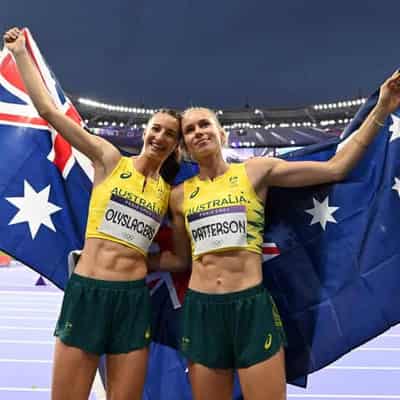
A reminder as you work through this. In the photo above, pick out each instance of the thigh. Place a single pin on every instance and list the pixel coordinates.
(210, 383)
(264, 380)
(73, 372)
(207, 334)
(126, 374)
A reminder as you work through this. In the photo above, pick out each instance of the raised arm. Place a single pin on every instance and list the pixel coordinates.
(277, 172)
(180, 258)
(98, 150)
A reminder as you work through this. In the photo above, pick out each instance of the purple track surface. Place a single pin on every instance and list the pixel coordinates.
(28, 314)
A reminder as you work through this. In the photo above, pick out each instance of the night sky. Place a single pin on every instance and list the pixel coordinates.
(221, 54)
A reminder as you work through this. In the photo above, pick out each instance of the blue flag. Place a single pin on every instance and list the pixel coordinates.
(335, 271)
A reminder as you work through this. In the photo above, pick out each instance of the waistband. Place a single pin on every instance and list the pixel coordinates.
(225, 297)
(100, 283)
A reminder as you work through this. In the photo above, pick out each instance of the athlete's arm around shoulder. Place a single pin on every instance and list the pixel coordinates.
(102, 153)
(180, 258)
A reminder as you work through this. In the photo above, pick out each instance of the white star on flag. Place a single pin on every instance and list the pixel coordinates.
(322, 213)
(395, 128)
(396, 185)
(34, 208)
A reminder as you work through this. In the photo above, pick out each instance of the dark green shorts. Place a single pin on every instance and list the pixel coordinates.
(233, 330)
(105, 317)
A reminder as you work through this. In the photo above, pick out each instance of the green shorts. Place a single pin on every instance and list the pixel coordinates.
(105, 317)
(233, 330)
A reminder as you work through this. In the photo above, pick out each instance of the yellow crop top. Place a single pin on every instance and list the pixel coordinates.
(224, 213)
(126, 209)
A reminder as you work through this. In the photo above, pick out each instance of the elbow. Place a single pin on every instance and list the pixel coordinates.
(337, 171)
(47, 111)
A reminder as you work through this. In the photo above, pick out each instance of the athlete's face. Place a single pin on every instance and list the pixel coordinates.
(201, 133)
(161, 136)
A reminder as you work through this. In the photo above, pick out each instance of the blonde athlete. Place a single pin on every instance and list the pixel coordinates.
(106, 307)
(230, 321)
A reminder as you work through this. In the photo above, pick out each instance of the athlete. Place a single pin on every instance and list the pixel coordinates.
(106, 306)
(229, 320)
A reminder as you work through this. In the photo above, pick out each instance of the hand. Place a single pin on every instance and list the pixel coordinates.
(389, 96)
(14, 40)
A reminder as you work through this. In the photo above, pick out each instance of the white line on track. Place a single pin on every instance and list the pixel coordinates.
(27, 292)
(24, 389)
(26, 328)
(379, 349)
(27, 318)
(16, 360)
(28, 309)
(11, 284)
(344, 396)
(356, 368)
(30, 303)
(3, 341)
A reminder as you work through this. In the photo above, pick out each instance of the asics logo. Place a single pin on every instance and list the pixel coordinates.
(195, 193)
(125, 175)
(268, 342)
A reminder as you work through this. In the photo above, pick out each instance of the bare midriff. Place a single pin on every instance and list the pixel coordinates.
(106, 260)
(225, 272)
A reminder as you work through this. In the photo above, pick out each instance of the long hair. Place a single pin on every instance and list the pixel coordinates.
(170, 167)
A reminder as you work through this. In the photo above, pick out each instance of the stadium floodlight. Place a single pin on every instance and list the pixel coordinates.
(113, 107)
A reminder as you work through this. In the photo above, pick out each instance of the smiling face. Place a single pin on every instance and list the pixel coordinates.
(161, 136)
(202, 134)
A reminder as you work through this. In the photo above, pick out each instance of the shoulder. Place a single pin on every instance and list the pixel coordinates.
(260, 164)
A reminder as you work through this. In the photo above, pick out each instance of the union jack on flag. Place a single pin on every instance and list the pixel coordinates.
(45, 184)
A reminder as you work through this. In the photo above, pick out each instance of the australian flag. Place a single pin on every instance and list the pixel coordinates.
(335, 272)
(44, 183)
